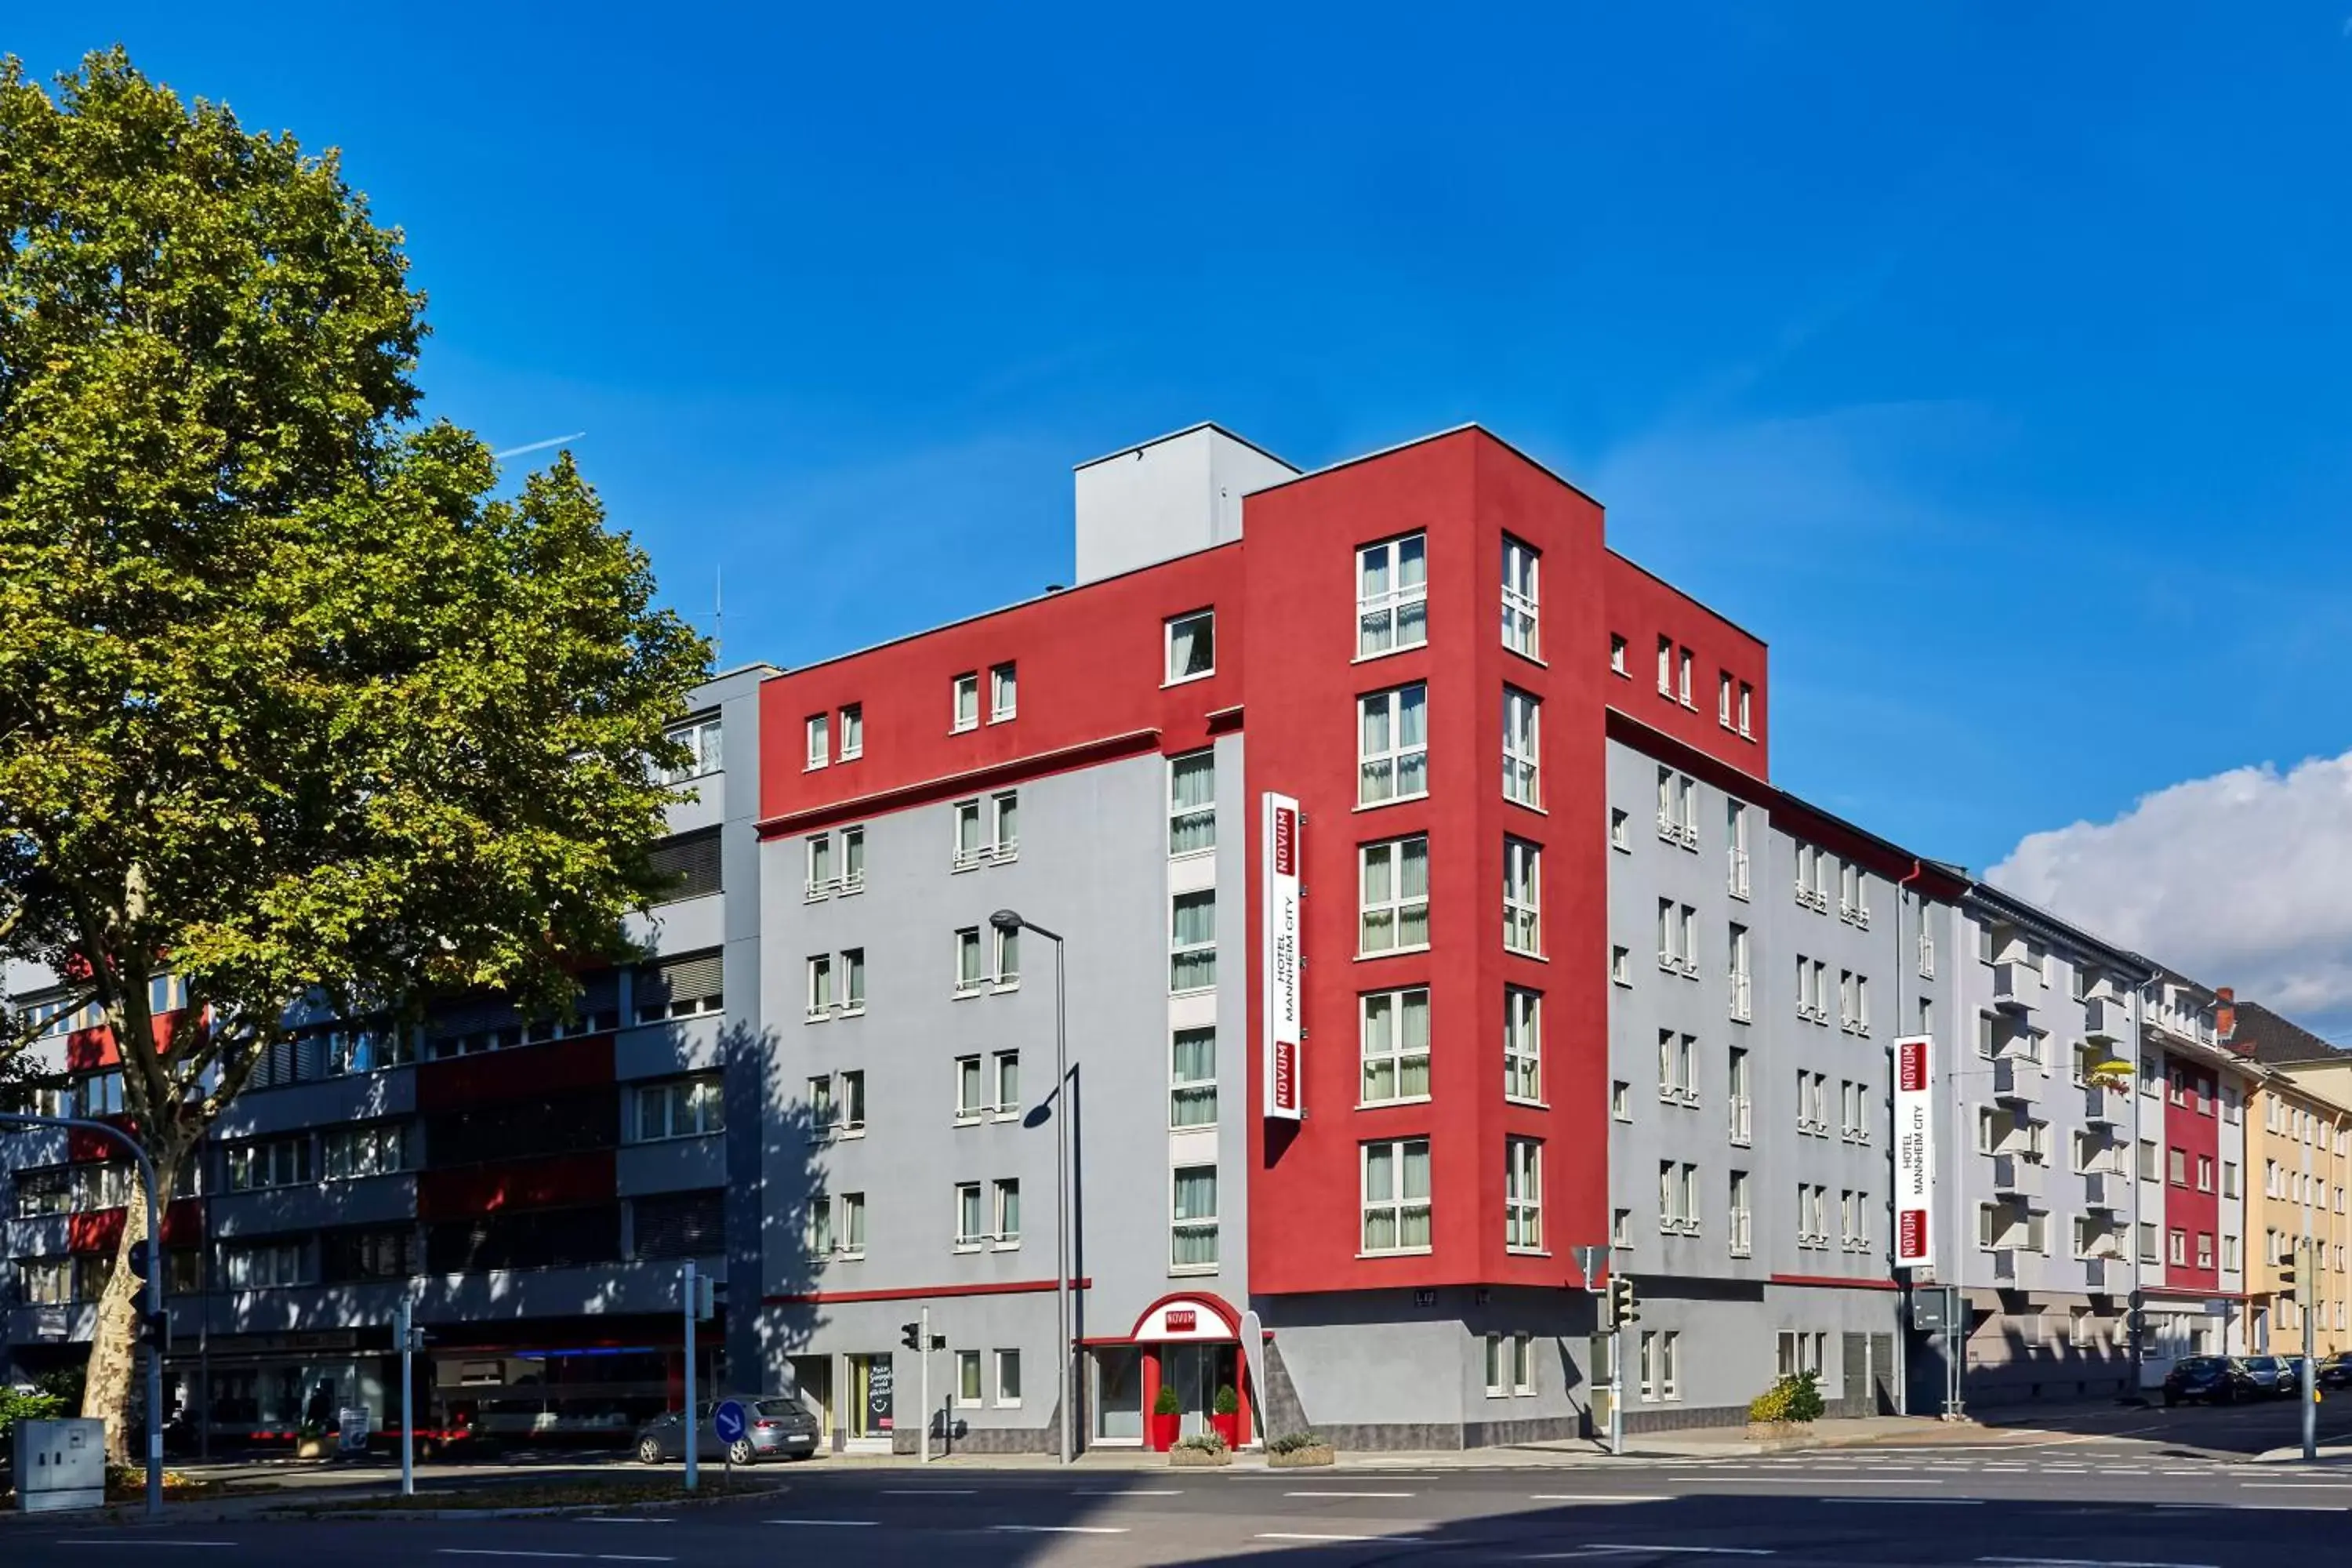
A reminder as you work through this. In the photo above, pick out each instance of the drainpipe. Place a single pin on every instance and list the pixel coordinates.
(2139, 1286)
(1895, 1031)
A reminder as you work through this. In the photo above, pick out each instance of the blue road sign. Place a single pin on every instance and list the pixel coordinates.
(727, 1421)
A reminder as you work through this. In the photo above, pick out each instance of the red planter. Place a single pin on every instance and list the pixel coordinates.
(1229, 1427)
(1164, 1431)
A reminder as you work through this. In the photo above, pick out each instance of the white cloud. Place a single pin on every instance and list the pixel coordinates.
(2241, 880)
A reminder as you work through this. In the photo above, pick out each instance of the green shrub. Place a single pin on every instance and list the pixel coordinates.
(1167, 1404)
(1294, 1442)
(1228, 1402)
(1207, 1442)
(1797, 1398)
(17, 1407)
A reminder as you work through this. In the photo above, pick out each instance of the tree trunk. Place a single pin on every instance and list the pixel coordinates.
(113, 1346)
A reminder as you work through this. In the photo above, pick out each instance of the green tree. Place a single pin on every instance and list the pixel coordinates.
(292, 706)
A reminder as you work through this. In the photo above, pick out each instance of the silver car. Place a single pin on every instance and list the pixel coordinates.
(775, 1427)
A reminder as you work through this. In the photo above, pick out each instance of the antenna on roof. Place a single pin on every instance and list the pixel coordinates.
(717, 615)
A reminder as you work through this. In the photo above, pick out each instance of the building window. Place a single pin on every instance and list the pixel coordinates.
(972, 1097)
(1812, 986)
(1621, 1100)
(1007, 1212)
(701, 738)
(1396, 1195)
(1853, 1111)
(1392, 744)
(1853, 1221)
(970, 1232)
(837, 984)
(684, 1108)
(1621, 966)
(1722, 698)
(1740, 1230)
(1619, 838)
(1523, 1044)
(836, 863)
(1677, 1069)
(1520, 750)
(1617, 653)
(1008, 1084)
(853, 732)
(1621, 1229)
(966, 702)
(685, 987)
(1813, 1102)
(1193, 803)
(1742, 985)
(1395, 1045)
(1008, 958)
(1735, 830)
(1522, 1194)
(1677, 808)
(820, 745)
(1004, 693)
(1510, 1364)
(1677, 938)
(1813, 1215)
(1192, 941)
(1518, 597)
(1394, 882)
(987, 829)
(1666, 666)
(1678, 1198)
(1522, 882)
(1812, 878)
(849, 1224)
(1799, 1352)
(2179, 1253)
(1391, 595)
(1742, 1105)
(1008, 1379)
(351, 1153)
(1746, 706)
(1192, 1223)
(1191, 646)
(265, 1266)
(967, 1377)
(837, 1105)
(984, 962)
(1684, 693)
(1193, 1079)
(281, 1162)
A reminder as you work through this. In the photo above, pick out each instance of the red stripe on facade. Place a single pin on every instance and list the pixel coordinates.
(919, 1292)
(520, 1073)
(1831, 1282)
(929, 792)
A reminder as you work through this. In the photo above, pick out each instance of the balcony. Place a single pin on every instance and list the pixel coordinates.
(2004, 1265)
(2015, 1175)
(2105, 1107)
(2102, 1191)
(2100, 1275)
(2016, 1079)
(2016, 987)
(2104, 1020)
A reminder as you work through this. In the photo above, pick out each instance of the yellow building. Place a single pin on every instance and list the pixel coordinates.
(2298, 1181)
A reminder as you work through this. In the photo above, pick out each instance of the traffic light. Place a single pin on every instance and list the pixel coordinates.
(706, 1297)
(911, 1335)
(1624, 1301)
(154, 1328)
(135, 1258)
(2290, 1277)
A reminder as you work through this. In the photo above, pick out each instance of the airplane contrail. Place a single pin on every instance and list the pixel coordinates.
(538, 445)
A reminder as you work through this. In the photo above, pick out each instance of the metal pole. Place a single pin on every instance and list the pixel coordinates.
(923, 1377)
(155, 1288)
(1616, 1387)
(1064, 1191)
(692, 1423)
(407, 1419)
(2307, 1281)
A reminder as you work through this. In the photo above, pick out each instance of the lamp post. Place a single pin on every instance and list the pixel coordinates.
(1008, 922)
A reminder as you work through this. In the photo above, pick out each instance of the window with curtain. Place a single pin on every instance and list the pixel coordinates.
(1193, 1229)
(1193, 941)
(1394, 879)
(1522, 861)
(1395, 1045)
(1391, 595)
(1193, 1079)
(969, 1226)
(1392, 744)
(1519, 751)
(1193, 646)
(1396, 1195)
(1191, 803)
(1519, 599)
(1522, 1044)
(1523, 1194)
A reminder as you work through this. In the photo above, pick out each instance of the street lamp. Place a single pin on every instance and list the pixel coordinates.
(1008, 922)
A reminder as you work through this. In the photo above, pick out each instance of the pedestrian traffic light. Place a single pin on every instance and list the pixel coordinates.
(706, 1297)
(1624, 1301)
(911, 1335)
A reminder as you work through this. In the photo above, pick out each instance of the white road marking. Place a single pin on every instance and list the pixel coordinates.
(1915, 1501)
(928, 1491)
(1348, 1494)
(1061, 1529)
(853, 1523)
(624, 1519)
(1690, 1551)
(2087, 1562)
(1310, 1536)
(120, 1540)
(2297, 1485)
(1125, 1491)
(1593, 1496)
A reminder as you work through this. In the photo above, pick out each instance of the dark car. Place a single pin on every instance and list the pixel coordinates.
(2273, 1374)
(2336, 1371)
(2216, 1379)
(775, 1427)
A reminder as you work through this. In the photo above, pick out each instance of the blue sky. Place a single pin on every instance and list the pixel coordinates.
(1986, 359)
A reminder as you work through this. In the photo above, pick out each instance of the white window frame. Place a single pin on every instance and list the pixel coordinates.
(963, 703)
(1177, 950)
(1178, 1086)
(1742, 981)
(1004, 1213)
(1393, 856)
(1175, 677)
(1007, 1357)
(1196, 1225)
(1391, 763)
(850, 731)
(1620, 835)
(1392, 602)
(1617, 655)
(1746, 706)
(820, 743)
(1740, 1226)
(1003, 691)
(692, 1107)
(1739, 1093)
(1522, 897)
(1522, 748)
(1522, 590)
(1396, 1004)
(1396, 1206)
(1667, 667)
(1182, 817)
(1523, 1196)
(970, 1216)
(1523, 1045)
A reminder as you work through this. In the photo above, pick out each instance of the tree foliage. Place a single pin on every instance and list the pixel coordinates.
(293, 705)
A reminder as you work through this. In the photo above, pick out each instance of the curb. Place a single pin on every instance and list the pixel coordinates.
(546, 1512)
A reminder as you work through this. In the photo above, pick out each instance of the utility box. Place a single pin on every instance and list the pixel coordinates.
(60, 1465)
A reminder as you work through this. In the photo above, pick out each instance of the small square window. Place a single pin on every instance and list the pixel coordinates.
(820, 745)
(1004, 693)
(966, 702)
(1191, 646)
(853, 732)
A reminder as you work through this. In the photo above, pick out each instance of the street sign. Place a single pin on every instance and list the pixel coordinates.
(727, 1421)
(1931, 1307)
(1588, 1259)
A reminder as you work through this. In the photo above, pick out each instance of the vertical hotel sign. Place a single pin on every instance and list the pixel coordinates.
(1278, 958)
(1915, 1151)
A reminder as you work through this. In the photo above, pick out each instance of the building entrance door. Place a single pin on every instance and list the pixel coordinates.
(812, 1375)
(870, 1405)
(1196, 1372)
(1118, 1395)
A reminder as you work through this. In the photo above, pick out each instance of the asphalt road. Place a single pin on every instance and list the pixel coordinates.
(2093, 1502)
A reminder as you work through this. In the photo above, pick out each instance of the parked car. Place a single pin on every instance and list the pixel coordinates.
(2216, 1379)
(2336, 1371)
(2271, 1375)
(775, 1427)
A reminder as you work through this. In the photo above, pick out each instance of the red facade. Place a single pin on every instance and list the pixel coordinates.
(2192, 1205)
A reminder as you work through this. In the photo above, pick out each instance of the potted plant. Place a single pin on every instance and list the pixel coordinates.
(1200, 1448)
(311, 1442)
(1296, 1448)
(1167, 1417)
(1786, 1408)
(1226, 1415)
